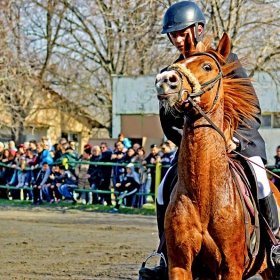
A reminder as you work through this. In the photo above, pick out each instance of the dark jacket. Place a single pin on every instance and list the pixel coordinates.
(251, 142)
(94, 170)
(106, 171)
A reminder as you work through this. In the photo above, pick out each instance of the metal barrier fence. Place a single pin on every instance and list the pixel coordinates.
(158, 166)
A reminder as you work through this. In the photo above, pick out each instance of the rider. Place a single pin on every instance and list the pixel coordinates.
(183, 18)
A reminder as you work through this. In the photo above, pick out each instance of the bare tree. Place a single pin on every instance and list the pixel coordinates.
(254, 28)
(17, 80)
(75, 47)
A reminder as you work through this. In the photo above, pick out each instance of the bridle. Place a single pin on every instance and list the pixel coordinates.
(203, 88)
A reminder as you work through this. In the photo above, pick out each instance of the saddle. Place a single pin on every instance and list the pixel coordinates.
(246, 183)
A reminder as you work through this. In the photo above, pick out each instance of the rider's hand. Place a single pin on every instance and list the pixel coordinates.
(231, 146)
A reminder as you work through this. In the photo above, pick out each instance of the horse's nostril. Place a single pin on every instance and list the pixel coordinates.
(173, 86)
(173, 79)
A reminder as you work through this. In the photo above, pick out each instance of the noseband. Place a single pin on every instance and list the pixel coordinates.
(203, 88)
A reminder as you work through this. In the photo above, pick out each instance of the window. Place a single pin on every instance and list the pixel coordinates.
(266, 121)
(271, 120)
(276, 120)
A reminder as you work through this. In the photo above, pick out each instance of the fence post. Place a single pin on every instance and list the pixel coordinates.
(21, 194)
(158, 178)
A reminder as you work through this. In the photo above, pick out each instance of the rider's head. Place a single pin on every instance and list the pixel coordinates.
(182, 18)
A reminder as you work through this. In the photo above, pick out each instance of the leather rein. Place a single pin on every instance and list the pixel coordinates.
(204, 88)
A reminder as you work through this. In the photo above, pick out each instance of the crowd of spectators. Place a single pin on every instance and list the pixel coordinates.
(50, 173)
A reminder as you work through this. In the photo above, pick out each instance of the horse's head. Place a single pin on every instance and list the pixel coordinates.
(198, 76)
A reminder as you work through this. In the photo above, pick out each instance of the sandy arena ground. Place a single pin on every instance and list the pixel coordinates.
(39, 243)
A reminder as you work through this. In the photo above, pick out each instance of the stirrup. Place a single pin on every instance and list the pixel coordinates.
(142, 275)
(155, 253)
(275, 251)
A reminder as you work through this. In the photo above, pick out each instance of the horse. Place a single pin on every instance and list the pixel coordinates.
(204, 223)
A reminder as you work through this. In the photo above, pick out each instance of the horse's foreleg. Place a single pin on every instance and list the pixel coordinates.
(178, 273)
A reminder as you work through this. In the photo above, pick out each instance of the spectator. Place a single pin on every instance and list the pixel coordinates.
(105, 174)
(43, 154)
(57, 150)
(127, 188)
(142, 171)
(70, 182)
(25, 146)
(12, 147)
(1, 167)
(54, 193)
(21, 150)
(33, 147)
(46, 187)
(48, 143)
(64, 144)
(151, 159)
(70, 164)
(21, 173)
(72, 144)
(59, 179)
(31, 160)
(1, 150)
(126, 141)
(136, 146)
(118, 157)
(130, 156)
(16, 166)
(88, 146)
(277, 158)
(39, 182)
(8, 160)
(166, 158)
(172, 146)
(81, 173)
(94, 172)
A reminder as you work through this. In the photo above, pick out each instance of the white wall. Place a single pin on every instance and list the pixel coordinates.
(272, 140)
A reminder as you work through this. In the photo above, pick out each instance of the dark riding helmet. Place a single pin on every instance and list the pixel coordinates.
(182, 15)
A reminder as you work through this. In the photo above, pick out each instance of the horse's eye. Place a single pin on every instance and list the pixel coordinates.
(207, 67)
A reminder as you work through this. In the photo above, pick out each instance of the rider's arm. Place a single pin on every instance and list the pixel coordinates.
(172, 127)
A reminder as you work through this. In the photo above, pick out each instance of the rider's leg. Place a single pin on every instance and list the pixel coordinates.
(159, 271)
(268, 206)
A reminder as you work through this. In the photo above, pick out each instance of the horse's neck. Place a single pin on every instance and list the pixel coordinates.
(202, 155)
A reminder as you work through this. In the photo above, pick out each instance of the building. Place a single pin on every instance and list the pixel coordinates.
(54, 116)
(135, 111)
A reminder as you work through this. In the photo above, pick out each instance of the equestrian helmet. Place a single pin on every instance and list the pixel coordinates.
(182, 15)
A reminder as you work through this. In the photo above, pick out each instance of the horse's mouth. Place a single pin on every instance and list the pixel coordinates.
(165, 95)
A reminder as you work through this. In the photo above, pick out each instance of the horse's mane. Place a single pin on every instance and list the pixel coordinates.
(240, 100)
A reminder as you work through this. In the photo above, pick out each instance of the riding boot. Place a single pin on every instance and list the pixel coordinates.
(158, 272)
(268, 209)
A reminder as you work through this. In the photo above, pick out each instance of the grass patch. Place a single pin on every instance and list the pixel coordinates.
(147, 209)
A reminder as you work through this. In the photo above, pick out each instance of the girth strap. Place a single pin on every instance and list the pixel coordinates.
(241, 181)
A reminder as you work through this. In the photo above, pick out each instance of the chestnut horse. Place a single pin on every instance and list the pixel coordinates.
(204, 222)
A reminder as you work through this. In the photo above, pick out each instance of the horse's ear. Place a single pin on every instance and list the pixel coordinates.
(224, 46)
(189, 46)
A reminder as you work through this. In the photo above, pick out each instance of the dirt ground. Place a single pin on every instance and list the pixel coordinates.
(39, 243)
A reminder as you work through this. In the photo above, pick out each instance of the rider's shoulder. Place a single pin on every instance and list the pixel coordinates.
(232, 57)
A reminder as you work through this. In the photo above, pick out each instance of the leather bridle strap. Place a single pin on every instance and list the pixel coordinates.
(207, 118)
